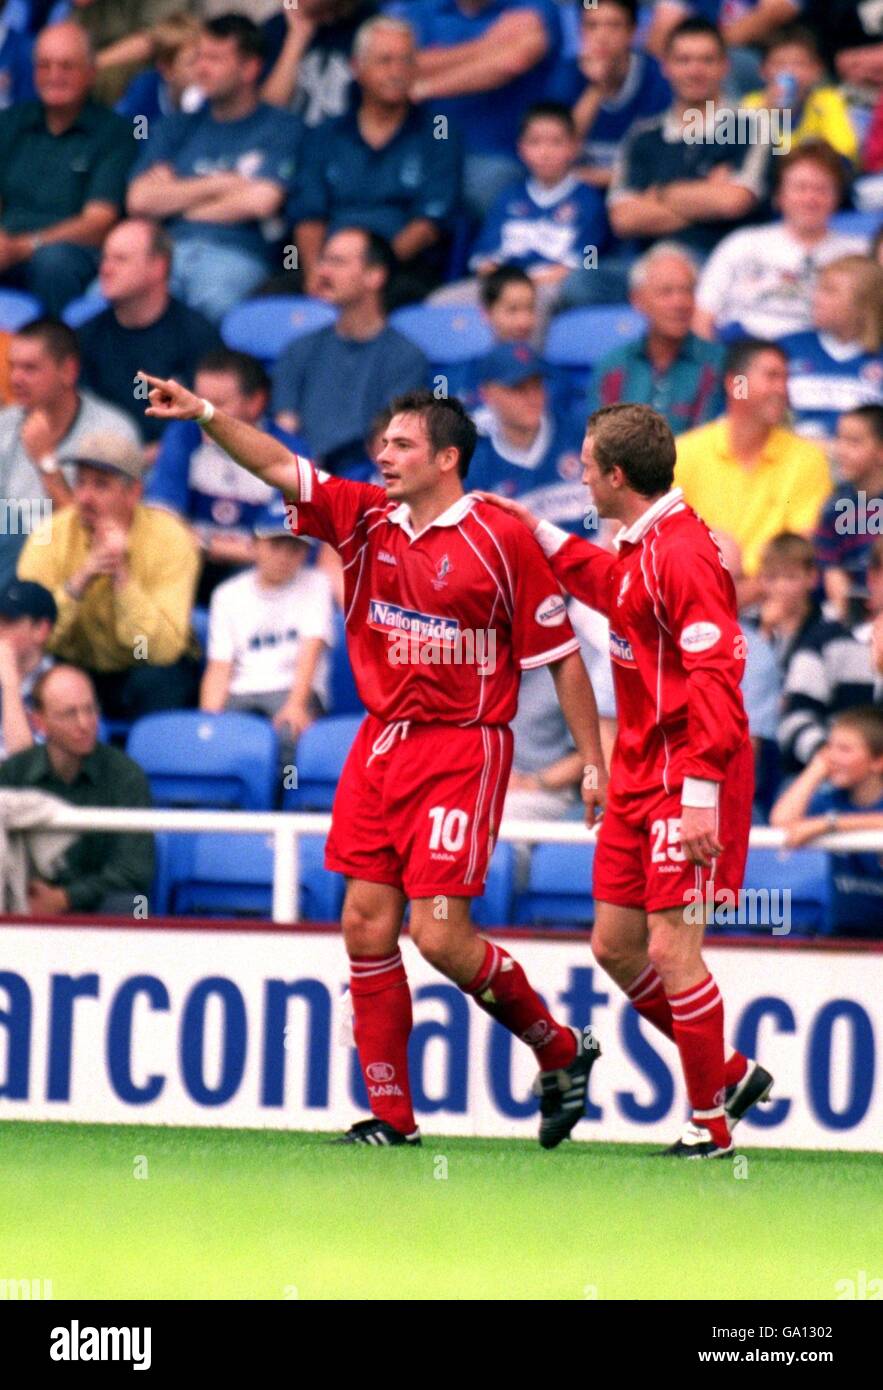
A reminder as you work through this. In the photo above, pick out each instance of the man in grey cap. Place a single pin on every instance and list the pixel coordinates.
(123, 575)
(27, 616)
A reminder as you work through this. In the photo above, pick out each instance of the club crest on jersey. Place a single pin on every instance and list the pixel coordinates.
(442, 570)
(621, 650)
(389, 617)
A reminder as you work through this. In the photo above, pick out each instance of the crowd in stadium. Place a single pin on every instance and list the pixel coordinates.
(303, 211)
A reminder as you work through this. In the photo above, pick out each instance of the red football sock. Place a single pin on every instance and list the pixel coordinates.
(698, 1019)
(503, 990)
(648, 996)
(382, 1026)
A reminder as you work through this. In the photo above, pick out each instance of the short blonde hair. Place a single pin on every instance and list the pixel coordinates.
(867, 289)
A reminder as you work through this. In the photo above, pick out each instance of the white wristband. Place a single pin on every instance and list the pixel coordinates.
(207, 414)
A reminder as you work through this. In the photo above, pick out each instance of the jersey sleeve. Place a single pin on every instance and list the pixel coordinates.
(581, 567)
(334, 509)
(541, 630)
(699, 608)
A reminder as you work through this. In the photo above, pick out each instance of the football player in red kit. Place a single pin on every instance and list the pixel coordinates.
(447, 601)
(675, 831)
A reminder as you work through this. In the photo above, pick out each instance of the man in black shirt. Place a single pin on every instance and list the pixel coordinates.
(143, 323)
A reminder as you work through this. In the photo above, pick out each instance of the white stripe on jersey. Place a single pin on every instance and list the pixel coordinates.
(508, 607)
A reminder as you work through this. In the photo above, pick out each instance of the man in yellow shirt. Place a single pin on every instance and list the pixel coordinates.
(746, 474)
(123, 576)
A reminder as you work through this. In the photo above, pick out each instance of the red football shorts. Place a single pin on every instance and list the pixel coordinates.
(418, 806)
(639, 862)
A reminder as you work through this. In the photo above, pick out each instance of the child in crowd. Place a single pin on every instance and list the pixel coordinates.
(796, 84)
(842, 789)
(853, 515)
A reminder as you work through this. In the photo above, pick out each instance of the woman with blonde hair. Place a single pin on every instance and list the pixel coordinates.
(837, 366)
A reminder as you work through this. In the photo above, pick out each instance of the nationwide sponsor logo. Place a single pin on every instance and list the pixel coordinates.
(699, 637)
(380, 1071)
(389, 617)
(621, 650)
(551, 612)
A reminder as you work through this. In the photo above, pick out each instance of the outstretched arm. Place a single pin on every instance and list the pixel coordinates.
(260, 453)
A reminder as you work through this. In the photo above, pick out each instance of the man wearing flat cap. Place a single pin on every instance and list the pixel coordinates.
(123, 576)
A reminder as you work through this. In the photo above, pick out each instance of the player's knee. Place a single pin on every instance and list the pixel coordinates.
(432, 945)
(665, 954)
(364, 933)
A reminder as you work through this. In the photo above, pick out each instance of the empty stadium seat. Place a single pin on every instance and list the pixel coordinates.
(444, 332)
(17, 309)
(804, 874)
(580, 337)
(559, 889)
(195, 759)
(858, 223)
(321, 754)
(81, 310)
(344, 695)
(264, 326)
(211, 875)
(496, 907)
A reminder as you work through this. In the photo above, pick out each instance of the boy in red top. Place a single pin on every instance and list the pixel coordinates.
(681, 781)
(447, 601)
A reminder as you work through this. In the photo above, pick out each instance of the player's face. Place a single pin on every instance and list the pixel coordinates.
(514, 316)
(406, 461)
(603, 495)
(857, 449)
(850, 758)
(548, 149)
(695, 67)
(808, 197)
(667, 297)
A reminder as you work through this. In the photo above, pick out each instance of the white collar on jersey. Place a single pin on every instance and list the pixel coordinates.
(670, 503)
(451, 517)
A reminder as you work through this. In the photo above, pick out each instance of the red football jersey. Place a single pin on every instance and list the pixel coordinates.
(675, 644)
(439, 624)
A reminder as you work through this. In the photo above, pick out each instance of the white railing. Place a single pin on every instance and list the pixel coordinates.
(287, 827)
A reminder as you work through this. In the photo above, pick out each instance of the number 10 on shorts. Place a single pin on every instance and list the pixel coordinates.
(448, 829)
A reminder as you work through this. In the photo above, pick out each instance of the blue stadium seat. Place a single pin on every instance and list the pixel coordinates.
(495, 909)
(210, 875)
(81, 310)
(264, 326)
(196, 759)
(321, 754)
(559, 889)
(858, 223)
(199, 626)
(804, 873)
(580, 337)
(17, 309)
(445, 333)
(344, 695)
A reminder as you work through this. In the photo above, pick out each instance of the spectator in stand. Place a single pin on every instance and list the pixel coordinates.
(50, 418)
(382, 167)
(745, 474)
(745, 25)
(508, 300)
(123, 576)
(195, 479)
(796, 84)
(142, 323)
(548, 222)
(852, 35)
(614, 87)
(482, 63)
(760, 280)
(170, 84)
(311, 44)
(16, 63)
(329, 385)
(826, 670)
(64, 161)
(270, 629)
(103, 871)
(843, 540)
(527, 453)
(673, 177)
(838, 366)
(841, 789)
(668, 367)
(218, 175)
(27, 616)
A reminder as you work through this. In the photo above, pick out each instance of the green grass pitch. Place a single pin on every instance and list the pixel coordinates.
(265, 1214)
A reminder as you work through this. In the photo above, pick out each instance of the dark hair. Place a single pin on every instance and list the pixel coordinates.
(798, 35)
(741, 354)
(867, 721)
(872, 416)
(377, 252)
(492, 286)
(244, 32)
(695, 28)
(250, 374)
(448, 426)
(820, 153)
(548, 111)
(159, 240)
(630, 7)
(57, 338)
(637, 440)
